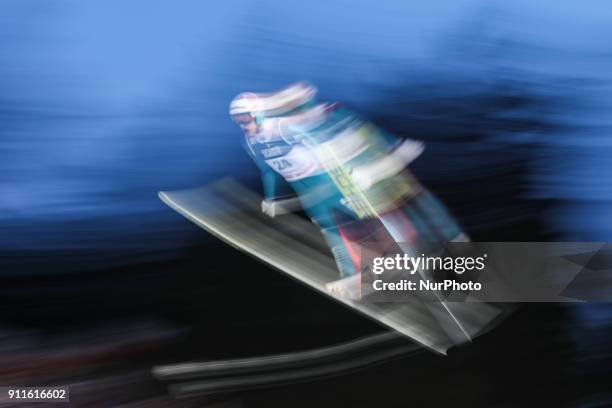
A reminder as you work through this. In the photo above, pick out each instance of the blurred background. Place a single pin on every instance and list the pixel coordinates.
(104, 103)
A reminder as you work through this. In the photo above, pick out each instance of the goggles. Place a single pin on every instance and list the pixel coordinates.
(243, 119)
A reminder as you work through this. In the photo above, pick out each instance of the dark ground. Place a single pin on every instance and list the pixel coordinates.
(543, 355)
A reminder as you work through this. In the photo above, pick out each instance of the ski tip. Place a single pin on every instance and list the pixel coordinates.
(164, 197)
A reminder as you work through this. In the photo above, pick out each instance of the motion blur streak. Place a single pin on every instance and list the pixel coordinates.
(105, 102)
(100, 107)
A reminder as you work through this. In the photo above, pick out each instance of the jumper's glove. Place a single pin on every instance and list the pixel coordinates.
(267, 207)
(366, 175)
(272, 208)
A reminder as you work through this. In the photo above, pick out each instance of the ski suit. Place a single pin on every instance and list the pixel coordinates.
(351, 180)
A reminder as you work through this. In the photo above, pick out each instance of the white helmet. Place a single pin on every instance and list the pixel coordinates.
(278, 103)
